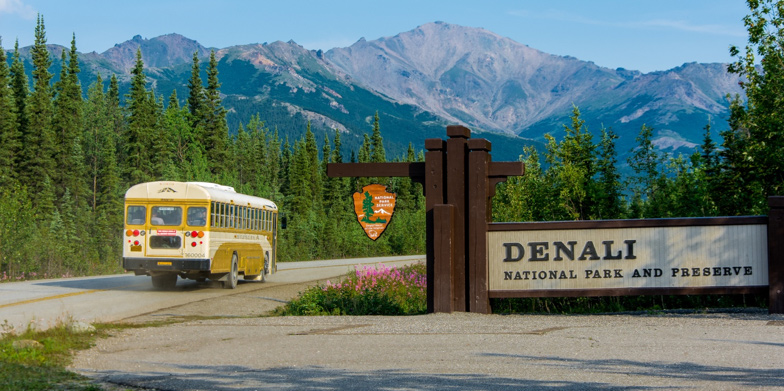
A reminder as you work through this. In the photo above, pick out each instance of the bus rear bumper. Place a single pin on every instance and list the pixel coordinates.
(147, 265)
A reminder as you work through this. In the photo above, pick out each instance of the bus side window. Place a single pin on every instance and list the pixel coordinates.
(267, 221)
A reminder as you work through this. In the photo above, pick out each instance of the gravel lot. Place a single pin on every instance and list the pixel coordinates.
(710, 351)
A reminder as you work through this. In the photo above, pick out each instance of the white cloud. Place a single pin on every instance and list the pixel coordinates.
(17, 7)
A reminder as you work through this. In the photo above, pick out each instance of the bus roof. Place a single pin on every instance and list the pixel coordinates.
(195, 191)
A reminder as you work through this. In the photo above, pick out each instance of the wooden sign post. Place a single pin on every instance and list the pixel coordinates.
(459, 181)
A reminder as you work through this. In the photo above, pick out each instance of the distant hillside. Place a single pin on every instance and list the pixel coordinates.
(421, 80)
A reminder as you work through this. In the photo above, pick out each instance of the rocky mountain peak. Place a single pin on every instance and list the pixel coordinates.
(159, 52)
(470, 75)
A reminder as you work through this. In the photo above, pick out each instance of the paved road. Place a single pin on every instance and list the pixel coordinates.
(43, 303)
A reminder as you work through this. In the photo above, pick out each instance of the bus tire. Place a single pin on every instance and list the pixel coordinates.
(231, 279)
(164, 281)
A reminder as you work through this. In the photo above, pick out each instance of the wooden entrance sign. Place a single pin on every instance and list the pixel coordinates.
(470, 259)
(458, 179)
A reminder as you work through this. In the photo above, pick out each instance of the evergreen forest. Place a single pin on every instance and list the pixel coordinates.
(69, 152)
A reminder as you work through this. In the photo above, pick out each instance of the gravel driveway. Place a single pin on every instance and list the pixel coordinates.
(713, 351)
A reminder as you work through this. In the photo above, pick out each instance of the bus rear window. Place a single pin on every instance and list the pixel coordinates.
(165, 242)
(197, 216)
(136, 215)
(166, 215)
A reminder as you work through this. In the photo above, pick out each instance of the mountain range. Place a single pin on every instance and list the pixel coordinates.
(421, 80)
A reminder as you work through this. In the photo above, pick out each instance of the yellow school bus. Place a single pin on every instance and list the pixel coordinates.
(200, 231)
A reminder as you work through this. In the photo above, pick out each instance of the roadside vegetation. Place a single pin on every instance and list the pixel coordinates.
(36, 360)
(368, 291)
(403, 291)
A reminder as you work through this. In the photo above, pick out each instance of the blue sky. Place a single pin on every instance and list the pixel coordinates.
(640, 35)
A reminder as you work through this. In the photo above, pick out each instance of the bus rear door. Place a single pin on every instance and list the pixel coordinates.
(166, 238)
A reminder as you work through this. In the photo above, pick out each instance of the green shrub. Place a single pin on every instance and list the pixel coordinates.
(368, 291)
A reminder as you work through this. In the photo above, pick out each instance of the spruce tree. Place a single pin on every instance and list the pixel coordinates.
(216, 131)
(648, 166)
(174, 102)
(38, 169)
(301, 191)
(162, 145)
(186, 149)
(195, 92)
(327, 182)
(9, 128)
(67, 124)
(709, 173)
(255, 153)
(244, 160)
(95, 125)
(313, 173)
(119, 125)
(20, 90)
(609, 205)
(272, 166)
(285, 167)
(139, 134)
(572, 169)
(377, 154)
(113, 93)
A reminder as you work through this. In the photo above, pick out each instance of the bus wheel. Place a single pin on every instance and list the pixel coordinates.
(164, 281)
(231, 279)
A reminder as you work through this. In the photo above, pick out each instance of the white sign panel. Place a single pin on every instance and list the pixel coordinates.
(660, 257)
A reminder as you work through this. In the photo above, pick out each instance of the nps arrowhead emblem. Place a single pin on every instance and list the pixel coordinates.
(374, 208)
